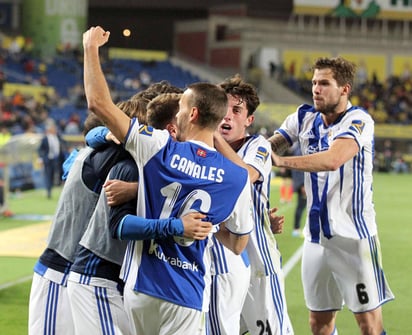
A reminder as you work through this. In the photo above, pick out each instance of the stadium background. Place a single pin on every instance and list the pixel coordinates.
(211, 41)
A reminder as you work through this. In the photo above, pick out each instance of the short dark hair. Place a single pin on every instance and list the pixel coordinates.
(92, 121)
(343, 70)
(211, 101)
(162, 110)
(142, 98)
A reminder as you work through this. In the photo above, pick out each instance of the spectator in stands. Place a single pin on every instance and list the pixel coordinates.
(5, 135)
(52, 152)
(272, 69)
(387, 155)
(2, 82)
(399, 164)
(15, 49)
(29, 65)
(72, 127)
(145, 79)
(18, 99)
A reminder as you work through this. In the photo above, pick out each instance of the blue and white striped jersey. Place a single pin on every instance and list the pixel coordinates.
(338, 202)
(176, 178)
(262, 252)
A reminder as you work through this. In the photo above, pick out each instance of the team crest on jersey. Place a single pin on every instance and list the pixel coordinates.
(201, 153)
(357, 125)
(262, 154)
(146, 130)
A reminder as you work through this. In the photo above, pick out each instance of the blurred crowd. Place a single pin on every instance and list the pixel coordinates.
(388, 102)
(22, 112)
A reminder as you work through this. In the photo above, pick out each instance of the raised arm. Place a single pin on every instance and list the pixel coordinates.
(98, 95)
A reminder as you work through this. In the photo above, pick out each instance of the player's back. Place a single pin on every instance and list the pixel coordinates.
(178, 178)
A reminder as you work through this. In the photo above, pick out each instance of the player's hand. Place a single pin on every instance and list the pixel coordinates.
(95, 37)
(110, 137)
(276, 221)
(119, 192)
(275, 159)
(194, 227)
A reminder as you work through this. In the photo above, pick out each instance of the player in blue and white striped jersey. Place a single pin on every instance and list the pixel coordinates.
(260, 300)
(167, 280)
(341, 258)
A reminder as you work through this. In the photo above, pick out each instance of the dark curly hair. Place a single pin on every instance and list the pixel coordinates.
(237, 87)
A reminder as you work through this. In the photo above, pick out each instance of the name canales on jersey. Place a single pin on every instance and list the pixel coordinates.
(187, 166)
(195, 170)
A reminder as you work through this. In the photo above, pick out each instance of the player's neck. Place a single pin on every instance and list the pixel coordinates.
(201, 135)
(236, 145)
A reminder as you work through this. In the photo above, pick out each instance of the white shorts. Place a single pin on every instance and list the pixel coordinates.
(265, 310)
(344, 271)
(153, 316)
(49, 308)
(97, 309)
(228, 294)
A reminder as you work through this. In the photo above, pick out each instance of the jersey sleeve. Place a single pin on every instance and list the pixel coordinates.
(290, 127)
(241, 220)
(96, 137)
(357, 125)
(257, 155)
(143, 141)
(67, 164)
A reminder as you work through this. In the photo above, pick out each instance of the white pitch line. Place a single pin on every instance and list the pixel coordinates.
(15, 282)
(292, 261)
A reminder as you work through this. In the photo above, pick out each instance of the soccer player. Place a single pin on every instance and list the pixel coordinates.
(341, 257)
(94, 287)
(49, 309)
(167, 280)
(260, 292)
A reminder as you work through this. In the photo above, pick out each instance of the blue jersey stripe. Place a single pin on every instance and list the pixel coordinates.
(213, 308)
(219, 259)
(278, 302)
(259, 216)
(105, 315)
(324, 215)
(51, 308)
(128, 260)
(314, 224)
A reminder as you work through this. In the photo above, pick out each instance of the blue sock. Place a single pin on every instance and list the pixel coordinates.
(383, 332)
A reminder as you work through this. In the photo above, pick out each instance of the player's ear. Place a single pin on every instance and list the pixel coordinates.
(249, 120)
(346, 89)
(171, 128)
(194, 114)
